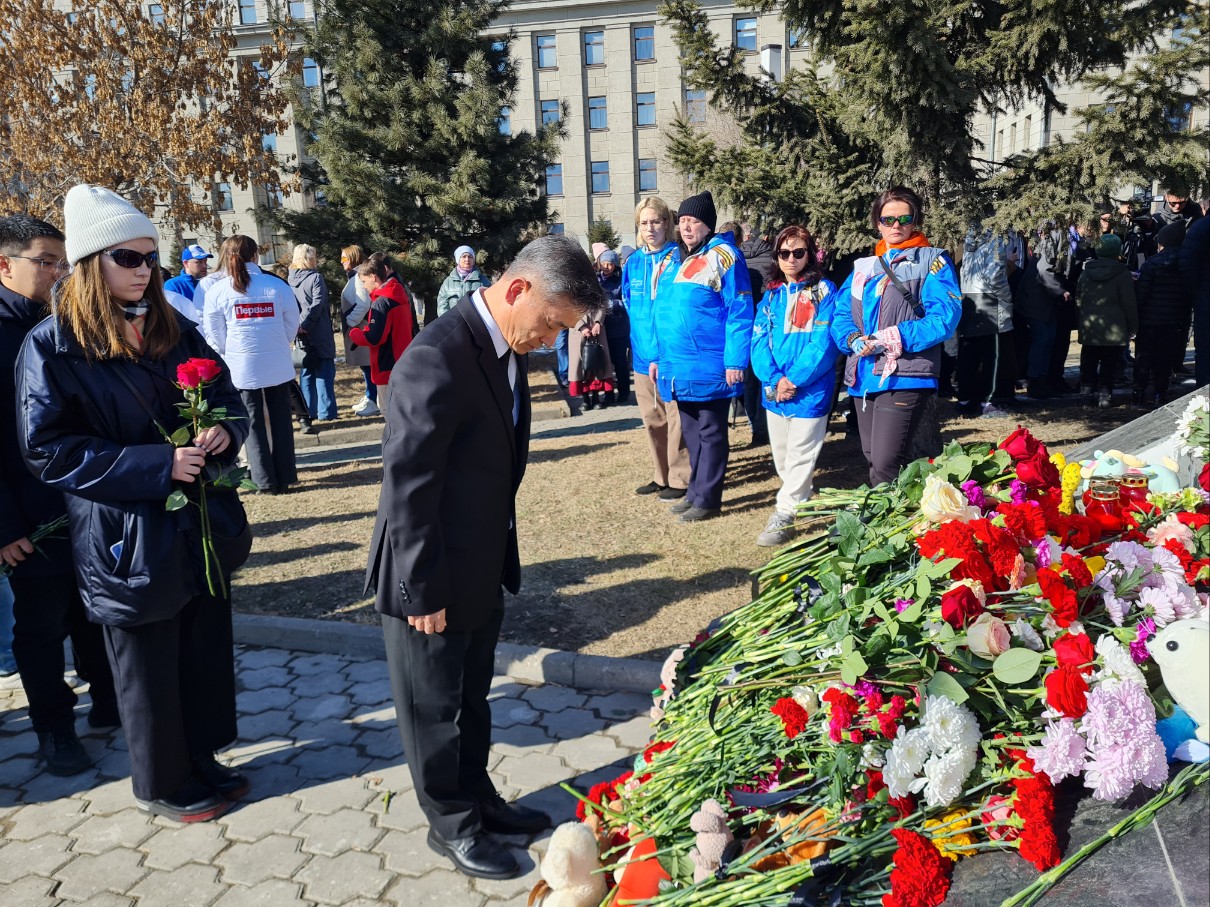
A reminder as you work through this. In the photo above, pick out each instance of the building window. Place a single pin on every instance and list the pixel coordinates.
(505, 121)
(1027, 139)
(500, 48)
(796, 37)
(745, 34)
(297, 9)
(600, 177)
(644, 43)
(594, 48)
(645, 109)
(647, 178)
(596, 113)
(555, 230)
(155, 13)
(247, 12)
(551, 112)
(1179, 118)
(222, 197)
(695, 105)
(547, 58)
(310, 73)
(554, 179)
(273, 198)
(269, 142)
(260, 70)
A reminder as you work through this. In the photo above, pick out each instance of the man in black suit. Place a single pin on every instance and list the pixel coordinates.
(445, 541)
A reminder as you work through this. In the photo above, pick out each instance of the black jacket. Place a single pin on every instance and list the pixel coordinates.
(25, 503)
(758, 253)
(1164, 296)
(1194, 257)
(446, 534)
(84, 433)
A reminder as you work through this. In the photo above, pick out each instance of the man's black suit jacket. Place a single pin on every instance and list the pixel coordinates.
(446, 536)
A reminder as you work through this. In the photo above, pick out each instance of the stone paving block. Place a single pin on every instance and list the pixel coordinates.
(250, 659)
(534, 772)
(403, 814)
(251, 702)
(16, 745)
(39, 819)
(114, 764)
(328, 731)
(325, 799)
(116, 870)
(521, 739)
(317, 708)
(554, 801)
(266, 724)
(176, 845)
(510, 888)
(506, 712)
(305, 665)
(620, 705)
(344, 830)
(439, 888)
(41, 856)
(334, 880)
(551, 698)
(19, 769)
(374, 692)
(634, 734)
(313, 685)
(328, 762)
(126, 828)
(407, 852)
(572, 723)
(264, 678)
(267, 894)
(396, 777)
(263, 751)
(382, 744)
(274, 856)
(189, 886)
(508, 686)
(271, 779)
(254, 821)
(367, 671)
(110, 797)
(374, 717)
(106, 899)
(591, 752)
(31, 891)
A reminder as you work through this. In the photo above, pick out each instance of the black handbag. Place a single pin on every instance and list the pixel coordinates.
(593, 357)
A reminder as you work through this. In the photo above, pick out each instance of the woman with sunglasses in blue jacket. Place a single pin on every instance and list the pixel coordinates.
(794, 358)
(893, 314)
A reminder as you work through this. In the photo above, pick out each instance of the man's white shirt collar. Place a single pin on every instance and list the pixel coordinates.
(498, 341)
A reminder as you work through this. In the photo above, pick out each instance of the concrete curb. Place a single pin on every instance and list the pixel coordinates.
(529, 664)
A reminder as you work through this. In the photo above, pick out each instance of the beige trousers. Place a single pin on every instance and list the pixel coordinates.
(669, 455)
(796, 443)
(384, 398)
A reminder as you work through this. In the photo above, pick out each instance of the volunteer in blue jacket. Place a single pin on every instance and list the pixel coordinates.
(195, 263)
(892, 315)
(655, 261)
(703, 328)
(794, 358)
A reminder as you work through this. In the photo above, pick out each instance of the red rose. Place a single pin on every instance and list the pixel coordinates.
(1038, 471)
(1020, 445)
(1203, 477)
(1075, 650)
(207, 369)
(1062, 597)
(1067, 691)
(960, 605)
(187, 375)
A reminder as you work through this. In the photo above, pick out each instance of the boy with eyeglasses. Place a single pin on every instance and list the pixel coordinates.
(47, 605)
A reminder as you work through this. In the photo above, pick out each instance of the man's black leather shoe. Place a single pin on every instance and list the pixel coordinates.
(226, 782)
(502, 818)
(63, 753)
(477, 855)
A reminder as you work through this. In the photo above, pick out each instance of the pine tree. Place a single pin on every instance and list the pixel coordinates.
(601, 230)
(412, 154)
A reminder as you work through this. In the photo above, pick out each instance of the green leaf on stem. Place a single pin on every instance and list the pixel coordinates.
(180, 437)
(791, 658)
(943, 567)
(942, 684)
(176, 501)
(1016, 666)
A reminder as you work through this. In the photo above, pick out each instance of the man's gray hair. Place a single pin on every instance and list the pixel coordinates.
(557, 266)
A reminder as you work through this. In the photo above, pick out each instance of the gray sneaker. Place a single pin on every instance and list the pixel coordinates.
(778, 531)
(681, 506)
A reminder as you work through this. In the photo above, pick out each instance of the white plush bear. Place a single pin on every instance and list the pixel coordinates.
(570, 870)
(1182, 650)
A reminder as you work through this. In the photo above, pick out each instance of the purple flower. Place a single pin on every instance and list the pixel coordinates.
(1017, 491)
(974, 494)
(1045, 549)
(902, 604)
(1158, 604)
(1138, 648)
(862, 688)
(1123, 746)
(1062, 751)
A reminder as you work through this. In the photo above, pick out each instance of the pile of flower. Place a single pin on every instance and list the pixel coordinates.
(910, 686)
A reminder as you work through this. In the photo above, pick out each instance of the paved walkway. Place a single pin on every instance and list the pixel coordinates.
(331, 819)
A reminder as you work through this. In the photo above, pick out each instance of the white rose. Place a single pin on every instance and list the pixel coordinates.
(988, 636)
(807, 698)
(943, 502)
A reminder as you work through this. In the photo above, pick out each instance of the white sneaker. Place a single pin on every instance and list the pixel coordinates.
(356, 407)
(777, 532)
(370, 408)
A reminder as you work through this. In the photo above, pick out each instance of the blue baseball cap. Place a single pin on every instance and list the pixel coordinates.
(194, 252)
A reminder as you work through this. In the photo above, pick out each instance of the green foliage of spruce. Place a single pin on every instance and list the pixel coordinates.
(891, 97)
(601, 230)
(406, 133)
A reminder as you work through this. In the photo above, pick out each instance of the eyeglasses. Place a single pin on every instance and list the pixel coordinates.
(43, 263)
(903, 220)
(129, 258)
(787, 254)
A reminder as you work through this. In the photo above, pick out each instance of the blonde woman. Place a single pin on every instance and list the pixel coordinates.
(318, 378)
(354, 310)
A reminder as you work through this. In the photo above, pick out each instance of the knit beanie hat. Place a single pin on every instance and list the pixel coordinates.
(96, 218)
(1172, 235)
(608, 256)
(463, 250)
(1110, 246)
(598, 249)
(700, 206)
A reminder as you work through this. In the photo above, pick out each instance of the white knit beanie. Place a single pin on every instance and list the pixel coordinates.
(96, 218)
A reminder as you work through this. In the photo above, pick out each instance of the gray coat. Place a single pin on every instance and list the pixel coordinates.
(455, 287)
(354, 310)
(315, 324)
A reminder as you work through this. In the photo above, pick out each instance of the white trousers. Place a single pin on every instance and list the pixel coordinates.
(796, 443)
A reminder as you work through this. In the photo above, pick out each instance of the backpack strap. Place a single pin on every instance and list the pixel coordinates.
(916, 304)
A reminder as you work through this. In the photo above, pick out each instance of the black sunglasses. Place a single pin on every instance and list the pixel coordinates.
(129, 258)
(903, 220)
(787, 254)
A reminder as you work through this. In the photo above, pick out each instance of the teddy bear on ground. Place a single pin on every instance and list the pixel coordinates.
(570, 870)
(713, 836)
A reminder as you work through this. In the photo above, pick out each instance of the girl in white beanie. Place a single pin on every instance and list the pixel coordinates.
(97, 380)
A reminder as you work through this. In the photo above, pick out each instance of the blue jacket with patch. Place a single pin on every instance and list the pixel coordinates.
(703, 323)
(868, 301)
(641, 277)
(791, 339)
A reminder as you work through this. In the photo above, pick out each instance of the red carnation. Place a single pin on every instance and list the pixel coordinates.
(1020, 445)
(1075, 650)
(1062, 597)
(1067, 691)
(1035, 804)
(794, 717)
(654, 749)
(1203, 477)
(1077, 569)
(960, 605)
(921, 875)
(1038, 471)
(1194, 521)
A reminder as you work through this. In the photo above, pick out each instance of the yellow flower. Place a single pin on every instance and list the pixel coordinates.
(1070, 481)
(1094, 564)
(1059, 460)
(952, 839)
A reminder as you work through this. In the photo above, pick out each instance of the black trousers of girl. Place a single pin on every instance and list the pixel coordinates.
(175, 681)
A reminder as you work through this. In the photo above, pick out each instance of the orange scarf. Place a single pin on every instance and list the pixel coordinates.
(915, 241)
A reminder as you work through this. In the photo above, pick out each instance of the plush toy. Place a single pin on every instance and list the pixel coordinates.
(713, 836)
(1162, 476)
(790, 824)
(1182, 650)
(667, 681)
(570, 870)
(1109, 464)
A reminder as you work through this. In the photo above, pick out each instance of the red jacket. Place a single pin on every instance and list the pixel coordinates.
(389, 330)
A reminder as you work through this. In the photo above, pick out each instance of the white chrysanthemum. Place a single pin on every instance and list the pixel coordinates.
(871, 756)
(905, 759)
(1117, 663)
(950, 726)
(1027, 634)
(944, 778)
